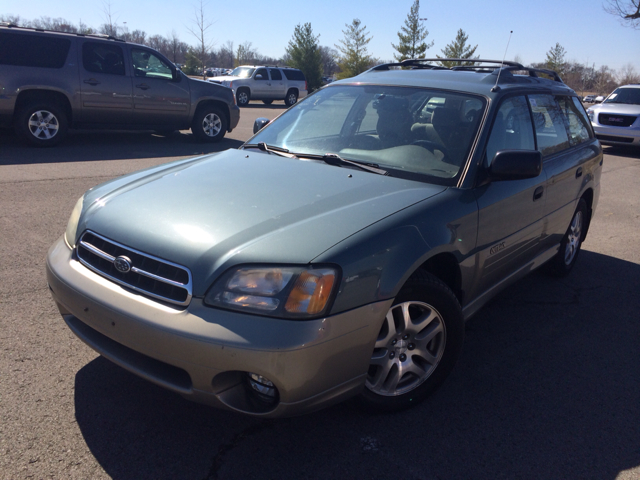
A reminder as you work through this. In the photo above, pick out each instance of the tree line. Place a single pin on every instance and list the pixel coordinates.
(346, 59)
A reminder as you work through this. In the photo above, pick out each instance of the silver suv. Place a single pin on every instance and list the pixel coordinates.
(252, 82)
(616, 121)
(52, 81)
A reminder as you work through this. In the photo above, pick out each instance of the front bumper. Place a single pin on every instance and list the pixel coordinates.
(234, 116)
(618, 136)
(204, 353)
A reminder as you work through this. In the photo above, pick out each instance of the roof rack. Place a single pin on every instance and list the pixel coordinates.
(94, 35)
(479, 65)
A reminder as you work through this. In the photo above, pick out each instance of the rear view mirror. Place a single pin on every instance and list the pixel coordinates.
(516, 165)
(260, 123)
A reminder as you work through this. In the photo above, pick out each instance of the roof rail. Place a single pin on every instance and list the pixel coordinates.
(96, 35)
(479, 65)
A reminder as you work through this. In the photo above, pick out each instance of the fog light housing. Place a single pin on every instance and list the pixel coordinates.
(262, 387)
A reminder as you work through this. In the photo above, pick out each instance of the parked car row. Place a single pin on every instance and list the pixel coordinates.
(593, 98)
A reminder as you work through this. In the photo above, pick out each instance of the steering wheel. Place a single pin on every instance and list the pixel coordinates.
(432, 147)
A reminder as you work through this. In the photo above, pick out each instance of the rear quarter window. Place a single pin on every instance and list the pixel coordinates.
(549, 124)
(25, 50)
(294, 75)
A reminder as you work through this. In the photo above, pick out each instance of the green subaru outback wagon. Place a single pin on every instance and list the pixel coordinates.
(339, 252)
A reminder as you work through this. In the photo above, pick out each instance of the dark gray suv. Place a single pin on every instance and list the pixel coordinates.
(52, 81)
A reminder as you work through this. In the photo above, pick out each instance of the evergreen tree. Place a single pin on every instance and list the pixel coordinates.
(458, 49)
(354, 57)
(412, 36)
(304, 54)
(555, 59)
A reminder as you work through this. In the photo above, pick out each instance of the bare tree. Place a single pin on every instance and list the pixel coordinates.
(627, 75)
(604, 82)
(110, 25)
(177, 49)
(201, 25)
(628, 11)
(246, 54)
(329, 60)
(226, 55)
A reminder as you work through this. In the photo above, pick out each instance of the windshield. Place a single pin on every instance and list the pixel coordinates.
(625, 95)
(242, 72)
(404, 130)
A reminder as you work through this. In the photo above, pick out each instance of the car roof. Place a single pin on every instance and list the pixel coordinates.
(93, 36)
(479, 80)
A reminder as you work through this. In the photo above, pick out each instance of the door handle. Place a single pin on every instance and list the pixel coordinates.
(143, 86)
(537, 194)
(92, 81)
(579, 172)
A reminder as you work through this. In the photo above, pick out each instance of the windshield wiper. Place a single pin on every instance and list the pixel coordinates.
(283, 152)
(337, 160)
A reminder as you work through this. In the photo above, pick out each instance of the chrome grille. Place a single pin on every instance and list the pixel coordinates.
(616, 120)
(149, 275)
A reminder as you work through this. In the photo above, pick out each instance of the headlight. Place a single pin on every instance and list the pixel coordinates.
(72, 225)
(591, 114)
(285, 292)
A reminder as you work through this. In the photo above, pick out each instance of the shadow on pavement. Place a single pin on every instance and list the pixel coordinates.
(548, 386)
(85, 146)
(630, 152)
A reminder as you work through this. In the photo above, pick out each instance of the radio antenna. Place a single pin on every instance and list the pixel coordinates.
(495, 87)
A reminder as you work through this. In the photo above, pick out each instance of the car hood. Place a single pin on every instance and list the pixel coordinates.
(617, 108)
(224, 78)
(241, 206)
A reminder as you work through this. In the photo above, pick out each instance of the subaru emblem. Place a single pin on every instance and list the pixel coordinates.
(122, 264)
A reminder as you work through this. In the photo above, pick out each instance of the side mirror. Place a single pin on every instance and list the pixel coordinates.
(259, 76)
(516, 165)
(259, 124)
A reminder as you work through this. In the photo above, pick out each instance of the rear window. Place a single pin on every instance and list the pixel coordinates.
(294, 75)
(24, 50)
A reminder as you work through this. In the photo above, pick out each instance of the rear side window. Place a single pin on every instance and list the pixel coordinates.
(294, 75)
(102, 58)
(24, 50)
(576, 119)
(549, 123)
(275, 74)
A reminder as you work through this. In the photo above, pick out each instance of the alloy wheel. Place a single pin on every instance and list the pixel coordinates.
(43, 125)
(211, 124)
(409, 347)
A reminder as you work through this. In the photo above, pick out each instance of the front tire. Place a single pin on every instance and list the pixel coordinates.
(242, 97)
(291, 98)
(419, 343)
(209, 124)
(42, 124)
(566, 258)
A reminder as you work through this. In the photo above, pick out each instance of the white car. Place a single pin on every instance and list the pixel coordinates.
(251, 82)
(616, 121)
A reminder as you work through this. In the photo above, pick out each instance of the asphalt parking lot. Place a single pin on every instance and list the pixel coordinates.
(548, 385)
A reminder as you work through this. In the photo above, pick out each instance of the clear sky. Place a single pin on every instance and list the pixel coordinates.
(586, 32)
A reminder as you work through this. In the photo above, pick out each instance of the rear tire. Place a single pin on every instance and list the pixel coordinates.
(419, 343)
(565, 259)
(209, 124)
(291, 98)
(42, 124)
